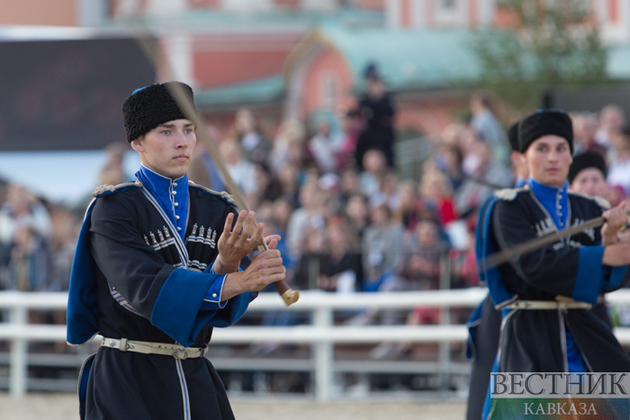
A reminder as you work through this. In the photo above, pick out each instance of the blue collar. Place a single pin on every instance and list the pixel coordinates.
(172, 194)
(520, 182)
(554, 199)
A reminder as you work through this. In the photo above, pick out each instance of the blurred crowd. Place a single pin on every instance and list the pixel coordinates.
(331, 188)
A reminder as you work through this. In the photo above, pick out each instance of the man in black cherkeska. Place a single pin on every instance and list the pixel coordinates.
(549, 297)
(156, 268)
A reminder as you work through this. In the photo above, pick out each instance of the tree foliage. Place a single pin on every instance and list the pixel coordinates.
(551, 44)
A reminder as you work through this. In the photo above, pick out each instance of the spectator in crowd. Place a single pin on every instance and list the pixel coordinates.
(484, 175)
(351, 126)
(585, 126)
(449, 161)
(247, 132)
(308, 216)
(464, 272)
(420, 268)
(204, 171)
(485, 124)
(388, 191)
(242, 171)
(27, 261)
(20, 210)
(289, 180)
(62, 246)
(409, 204)
(616, 195)
(110, 173)
(291, 135)
(612, 119)
(325, 146)
(357, 213)
(330, 186)
(350, 183)
(267, 187)
(381, 250)
(310, 262)
(115, 158)
(374, 172)
(619, 168)
(342, 270)
(377, 108)
(281, 211)
(437, 192)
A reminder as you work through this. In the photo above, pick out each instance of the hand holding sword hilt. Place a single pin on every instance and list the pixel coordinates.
(289, 295)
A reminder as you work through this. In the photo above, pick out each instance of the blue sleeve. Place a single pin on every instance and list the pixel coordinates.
(179, 311)
(615, 279)
(213, 296)
(212, 300)
(590, 273)
(483, 248)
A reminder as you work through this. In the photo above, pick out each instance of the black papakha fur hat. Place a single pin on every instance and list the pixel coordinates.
(150, 106)
(542, 123)
(513, 137)
(584, 161)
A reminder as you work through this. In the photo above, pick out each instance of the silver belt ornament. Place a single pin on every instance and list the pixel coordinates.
(147, 347)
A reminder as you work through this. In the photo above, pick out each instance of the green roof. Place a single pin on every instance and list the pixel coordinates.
(275, 20)
(619, 62)
(427, 59)
(416, 59)
(257, 91)
(407, 60)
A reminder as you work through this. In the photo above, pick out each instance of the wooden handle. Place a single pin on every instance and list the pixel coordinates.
(287, 294)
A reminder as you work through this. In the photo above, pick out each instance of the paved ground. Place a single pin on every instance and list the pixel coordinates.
(64, 407)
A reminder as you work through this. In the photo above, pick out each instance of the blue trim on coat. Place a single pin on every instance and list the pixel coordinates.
(210, 302)
(177, 308)
(484, 248)
(616, 277)
(82, 320)
(588, 282)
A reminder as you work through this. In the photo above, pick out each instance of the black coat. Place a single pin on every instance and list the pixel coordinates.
(144, 294)
(532, 340)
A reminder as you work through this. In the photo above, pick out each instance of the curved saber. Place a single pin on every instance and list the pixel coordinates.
(289, 296)
(526, 247)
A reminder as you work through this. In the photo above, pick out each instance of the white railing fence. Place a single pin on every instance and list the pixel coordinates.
(321, 334)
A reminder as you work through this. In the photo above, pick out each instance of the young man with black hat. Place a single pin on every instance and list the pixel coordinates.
(156, 268)
(587, 174)
(547, 296)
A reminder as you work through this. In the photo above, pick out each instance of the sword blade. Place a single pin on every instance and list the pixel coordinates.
(526, 247)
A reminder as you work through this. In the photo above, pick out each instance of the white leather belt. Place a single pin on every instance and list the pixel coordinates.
(548, 304)
(147, 347)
